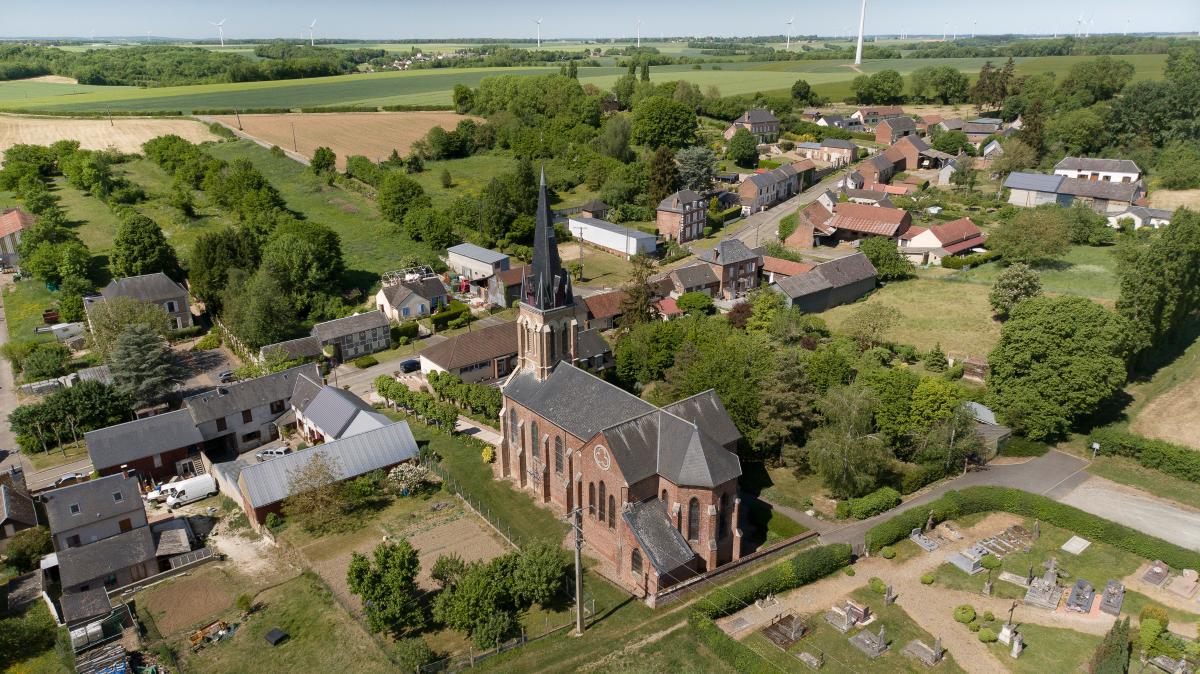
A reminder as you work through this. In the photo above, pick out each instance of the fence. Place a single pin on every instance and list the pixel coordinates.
(479, 509)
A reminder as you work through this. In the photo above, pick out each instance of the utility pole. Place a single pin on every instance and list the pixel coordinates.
(577, 524)
(295, 147)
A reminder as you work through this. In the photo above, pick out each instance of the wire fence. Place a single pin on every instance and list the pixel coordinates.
(477, 506)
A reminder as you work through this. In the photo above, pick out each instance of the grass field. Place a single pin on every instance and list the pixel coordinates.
(1085, 270)
(433, 87)
(18, 92)
(1165, 407)
(24, 303)
(1049, 649)
(469, 175)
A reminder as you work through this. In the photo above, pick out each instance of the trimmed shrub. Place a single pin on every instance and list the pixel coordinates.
(916, 477)
(987, 635)
(849, 571)
(409, 329)
(927, 578)
(974, 627)
(1174, 460)
(449, 313)
(363, 362)
(878, 501)
(489, 454)
(964, 614)
(210, 341)
(1018, 446)
(956, 262)
(877, 585)
(887, 552)
(988, 616)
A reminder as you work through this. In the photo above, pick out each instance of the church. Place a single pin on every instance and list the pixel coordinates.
(658, 487)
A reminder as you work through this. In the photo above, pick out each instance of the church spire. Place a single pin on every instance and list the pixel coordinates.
(548, 286)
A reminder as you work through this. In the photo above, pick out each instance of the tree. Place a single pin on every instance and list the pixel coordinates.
(844, 450)
(1179, 166)
(1078, 131)
(965, 178)
(743, 148)
(645, 74)
(316, 502)
(788, 411)
(802, 94)
(868, 325)
(944, 84)
(144, 368)
(397, 194)
(664, 175)
(1017, 282)
(613, 140)
(479, 603)
(1016, 156)
(26, 548)
(323, 162)
(933, 400)
(885, 86)
(889, 263)
(765, 305)
(1112, 655)
(259, 310)
(464, 99)
(213, 255)
(644, 352)
(893, 388)
(388, 587)
(46, 360)
(1057, 360)
(660, 121)
(1033, 128)
(110, 318)
(1086, 226)
(541, 567)
(695, 303)
(697, 168)
(1033, 236)
(447, 570)
(139, 247)
(636, 305)
(951, 142)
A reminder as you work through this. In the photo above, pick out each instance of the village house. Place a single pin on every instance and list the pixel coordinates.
(979, 130)
(482, 355)
(12, 222)
(735, 265)
(926, 122)
(505, 288)
(1102, 170)
(657, 487)
(952, 124)
(828, 284)
(869, 198)
(403, 298)
(761, 123)
(878, 169)
(354, 336)
(851, 124)
(1141, 216)
(622, 241)
(857, 221)
(302, 349)
(763, 190)
(992, 150)
(890, 130)
(155, 289)
(812, 226)
(475, 263)
(831, 151)
(696, 277)
(1104, 197)
(666, 308)
(17, 511)
(912, 152)
(594, 209)
(604, 309)
(682, 216)
(869, 117)
(326, 413)
(923, 245)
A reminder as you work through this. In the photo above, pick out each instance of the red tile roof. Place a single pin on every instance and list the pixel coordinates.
(865, 219)
(956, 231)
(477, 346)
(605, 305)
(776, 265)
(804, 165)
(14, 220)
(511, 277)
(913, 232)
(667, 306)
(817, 215)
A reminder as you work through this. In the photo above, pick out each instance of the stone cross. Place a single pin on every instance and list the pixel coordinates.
(1037, 529)
(1018, 645)
(929, 522)
(987, 586)
(937, 649)
(1010, 611)
(889, 597)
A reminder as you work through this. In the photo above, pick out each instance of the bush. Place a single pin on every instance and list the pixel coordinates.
(988, 499)
(25, 548)
(450, 312)
(210, 341)
(887, 552)
(959, 262)
(489, 454)
(1174, 460)
(877, 585)
(927, 578)
(364, 362)
(964, 613)
(974, 627)
(915, 477)
(244, 603)
(988, 616)
(184, 333)
(878, 501)
(274, 521)
(409, 329)
(849, 571)
(1018, 446)
(412, 653)
(987, 635)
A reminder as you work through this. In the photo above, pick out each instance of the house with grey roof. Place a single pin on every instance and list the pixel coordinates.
(408, 299)
(354, 336)
(682, 216)
(763, 190)
(1099, 170)
(17, 511)
(480, 355)
(760, 122)
(263, 487)
(475, 263)
(889, 131)
(828, 284)
(1141, 216)
(158, 446)
(1105, 197)
(301, 348)
(156, 289)
(242, 415)
(735, 265)
(332, 413)
(696, 277)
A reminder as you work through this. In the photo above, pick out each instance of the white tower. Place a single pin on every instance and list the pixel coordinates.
(862, 22)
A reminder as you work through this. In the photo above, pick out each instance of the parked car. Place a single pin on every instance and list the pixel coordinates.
(191, 489)
(226, 377)
(272, 453)
(410, 365)
(68, 479)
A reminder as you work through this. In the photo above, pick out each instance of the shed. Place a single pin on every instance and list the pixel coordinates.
(612, 238)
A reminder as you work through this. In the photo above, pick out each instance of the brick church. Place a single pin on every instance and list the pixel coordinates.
(658, 486)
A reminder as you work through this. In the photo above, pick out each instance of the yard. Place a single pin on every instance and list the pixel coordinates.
(24, 302)
(600, 268)
(1085, 270)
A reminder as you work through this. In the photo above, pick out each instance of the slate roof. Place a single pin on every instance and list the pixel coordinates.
(140, 438)
(1090, 164)
(664, 545)
(13, 220)
(479, 253)
(695, 275)
(729, 251)
(590, 343)
(77, 607)
(95, 501)
(106, 556)
(593, 206)
(757, 116)
(980, 128)
(900, 124)
(1145, 212)
(877, 220)
(953, 124)
(801, 285)
(477, 346)
(778, 175)
(867, 195)
(1100, 189)
(1036, 182)
(339, 413)
(16, 506)
(879, 161)
(832, 274)
(428, 289)
(677, 203)
(916, 141)
(838, 143)
(147, 288)
(834, 120)
(349, 325)
(706, 411)
(270, 481)
(574, 400)
(661, 443)
(228, 399)
(295, 349)
(605, 305)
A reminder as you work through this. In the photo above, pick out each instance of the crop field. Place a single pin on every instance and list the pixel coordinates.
(126, 135)
(433, 87)
(18, 92)
(371, 134)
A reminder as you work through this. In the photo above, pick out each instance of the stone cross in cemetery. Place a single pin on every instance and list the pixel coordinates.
(889, 597)
(1018, 645)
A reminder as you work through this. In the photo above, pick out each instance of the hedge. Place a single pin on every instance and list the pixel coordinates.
(409, 329)
(912, 479)
(1174, 460)
(802, 569)
(363, 362)
(988, 499)
(878, 501)
(448, 313)
(956, 262)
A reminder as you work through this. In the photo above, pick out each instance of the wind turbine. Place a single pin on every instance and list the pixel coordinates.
(311, 41)
(862, 21)
(1087, 31)
(639, 33)
(1079, 25)
(220, 30)
(539, 24)
(974, 22)
(789, 33)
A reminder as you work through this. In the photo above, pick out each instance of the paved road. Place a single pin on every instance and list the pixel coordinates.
(8, 393)
(1140, 511)
(762, 227)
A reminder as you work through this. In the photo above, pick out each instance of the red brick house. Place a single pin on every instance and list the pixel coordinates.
(891, 130)
(870, 116)
(761, 123)
(811, 226)
(878, 169)
(655, 488)
(681, 217)
(735, 265)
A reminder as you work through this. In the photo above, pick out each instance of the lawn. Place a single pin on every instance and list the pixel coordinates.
(677, 652)
(781, 485)
(956, 315)
(181, 232)
(24, 302)
(92, 219)
(600, 268)
(842, 657)
(469, 175)
(321, 637)
(57, 456)
(370, 245)
(1086, 270)
(1049, 649)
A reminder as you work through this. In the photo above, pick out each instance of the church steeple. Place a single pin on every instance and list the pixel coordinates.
(548, 333)
(547, 286)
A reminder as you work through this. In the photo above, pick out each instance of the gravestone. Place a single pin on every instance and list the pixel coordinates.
(929, 656)
(1018, 645)
(872, 645)
(813, 661)
(987, 587)
(1045, 592)
(889, 597)
(1113, 597)
(1007, 632)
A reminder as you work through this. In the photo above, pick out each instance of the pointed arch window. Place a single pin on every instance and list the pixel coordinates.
(612, 511)
(723, 517)
(635, 562)
(558, 455)
(512, 425)
(693, 519)
(602, 511)
(566, 342)
(533, 439)
(592, 499)
(664, 496)
(552, 340)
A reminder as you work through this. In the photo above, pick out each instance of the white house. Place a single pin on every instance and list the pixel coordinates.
(1104, 170)
(475, 262)
(929, 245)
(1141, 216)
(411, 298)
(612, 238)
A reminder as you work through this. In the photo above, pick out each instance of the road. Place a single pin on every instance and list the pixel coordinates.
(759, 228)
(8, 393)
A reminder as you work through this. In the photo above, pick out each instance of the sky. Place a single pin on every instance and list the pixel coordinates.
(400, 19)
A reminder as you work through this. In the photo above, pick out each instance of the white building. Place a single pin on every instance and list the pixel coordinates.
(1104, 170)
(1142, 216)
(612, 238)
(475, 262)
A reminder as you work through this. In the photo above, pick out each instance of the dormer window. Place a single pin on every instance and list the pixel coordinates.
(74, 508)
(118, 497)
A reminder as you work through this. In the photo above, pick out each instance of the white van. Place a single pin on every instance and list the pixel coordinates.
(273, 453)
(191, 489)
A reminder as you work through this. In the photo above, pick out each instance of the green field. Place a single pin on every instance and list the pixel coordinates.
(1085, 270)
(433, 87)
(20, 92)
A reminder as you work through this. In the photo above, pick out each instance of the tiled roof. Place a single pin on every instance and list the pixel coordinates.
(838, 143)
(95, 500)
(956, 231)
(783, 267)
(228, 399)
(350, 325)
(594, 206)
(661, 443)
(114, 445)
(14, 220)
(880, 221)
(477, 346)
(1090, 164)
(880, 162)
(667, 306)
(147, 288)
(590, 343)
(605, 305)
(916, 142)
(846, 270)
(339, 413)
(471, 251)
(512, 277)
(818, 216)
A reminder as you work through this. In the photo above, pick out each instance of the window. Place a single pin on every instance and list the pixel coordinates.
(723, 517)
(553, 343)
(277, 407)
(404, 312)
(566, 343)
(664, 496)
(118, 497)
(73, 541)
(512, 425)
(170, 307)
(592, 498)
(558, 455)
(612, 511)
(635, 562)
(251, 437)
(693, 519)
(221, 425)
(421, 308)
(601, 501)
(533, 438)
(74, 508)
(247, 416)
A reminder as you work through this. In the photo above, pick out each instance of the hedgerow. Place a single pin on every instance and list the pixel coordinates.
(1174, 460)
